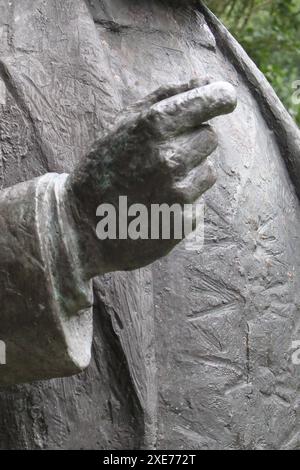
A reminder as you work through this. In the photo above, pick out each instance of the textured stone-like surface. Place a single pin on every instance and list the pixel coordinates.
(193, 351)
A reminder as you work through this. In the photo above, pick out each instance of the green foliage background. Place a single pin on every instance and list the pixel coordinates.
(269, 30)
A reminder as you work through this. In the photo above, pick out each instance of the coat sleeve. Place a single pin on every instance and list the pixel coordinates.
(45, 314)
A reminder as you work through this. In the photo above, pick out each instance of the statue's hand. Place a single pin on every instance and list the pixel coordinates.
(156, 154)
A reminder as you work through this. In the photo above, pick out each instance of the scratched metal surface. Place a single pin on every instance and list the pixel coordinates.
(192, 352)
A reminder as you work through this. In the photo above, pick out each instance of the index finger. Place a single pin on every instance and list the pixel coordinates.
(186, 111)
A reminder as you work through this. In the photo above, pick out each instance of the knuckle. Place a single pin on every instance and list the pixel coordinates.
(152, 121)
(152, 116)
(182, 192)
(169, 157)
(211, 137)
(196, 183)
(210, 174)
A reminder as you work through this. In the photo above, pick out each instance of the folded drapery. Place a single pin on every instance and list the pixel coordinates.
(46, 314)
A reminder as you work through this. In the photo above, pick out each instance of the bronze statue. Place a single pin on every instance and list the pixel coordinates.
(192, 351)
